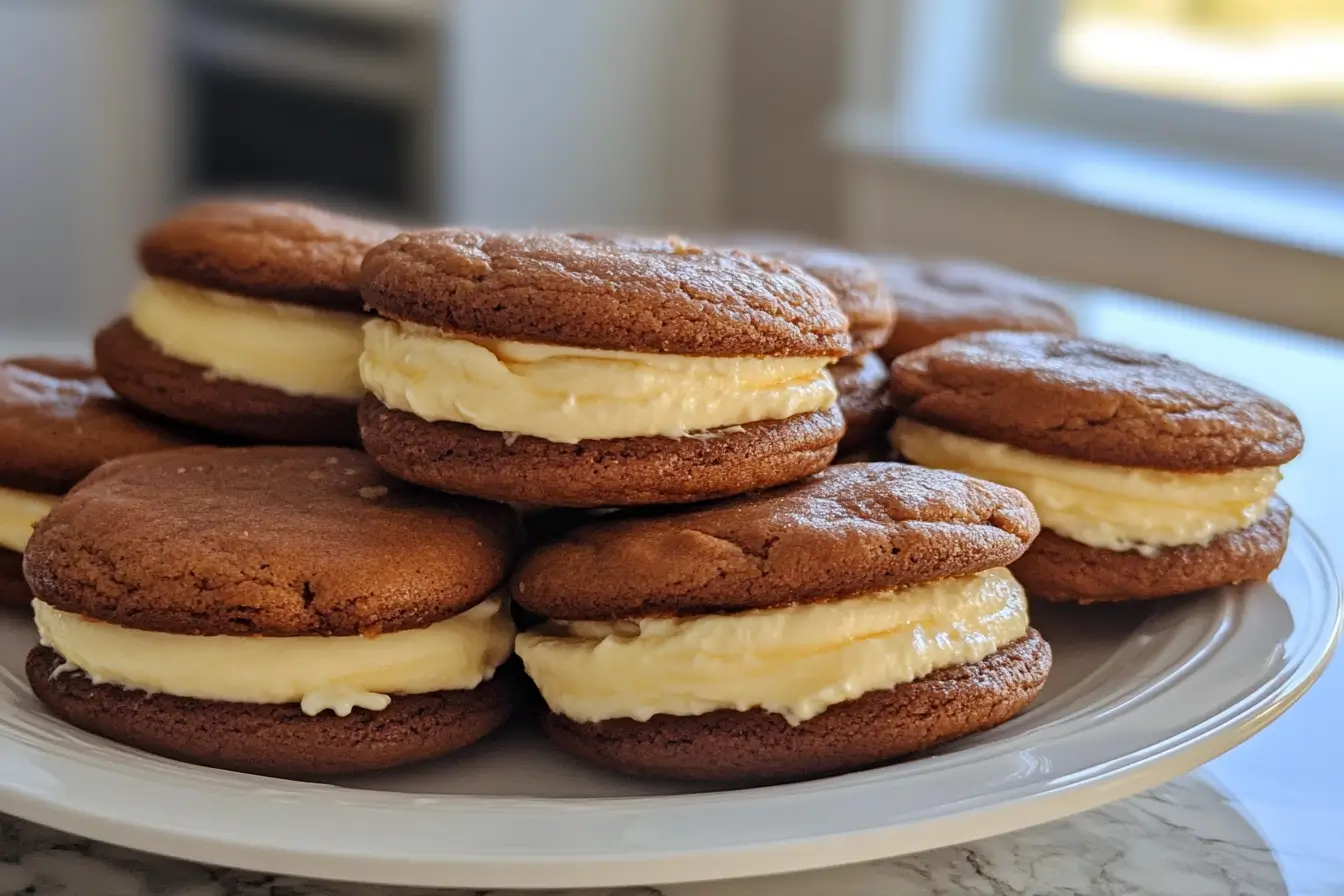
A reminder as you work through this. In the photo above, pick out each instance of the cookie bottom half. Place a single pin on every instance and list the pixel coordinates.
(461, 459)
(1056, 568)
(137, 371)
(755, 745)
(277, 739)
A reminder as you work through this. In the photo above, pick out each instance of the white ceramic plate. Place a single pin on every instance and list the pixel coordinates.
(1138, 695)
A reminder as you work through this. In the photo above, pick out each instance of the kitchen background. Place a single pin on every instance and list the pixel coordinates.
(1190, 149)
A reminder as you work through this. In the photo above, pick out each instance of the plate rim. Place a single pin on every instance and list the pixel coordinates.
(1167, 759)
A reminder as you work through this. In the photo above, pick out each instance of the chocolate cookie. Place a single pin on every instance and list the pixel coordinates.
(941, 299)
(266, 541)
(461, 459)
(850, 529)
(828, 625)
(634, 295)
(567, 370)
(191, 393)
(855, 282)
(1151, 476)
(58, 422)
(249, 322)
(277, 738)
(863, 399)
(311, 613)
(1093, 401)
(758, 746)
(279, 251)
(1060, 569)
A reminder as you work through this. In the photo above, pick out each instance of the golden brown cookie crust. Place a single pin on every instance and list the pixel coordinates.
(851, 529)
(280, 251)
(277, 739)
(460, 459)
(595, 292)
(864, 400)
(941, 299)
(265, 541)
(59, 421)
(856, 283)
(1060, 569)
(1092, 401)
(144, 376)
(878, 727)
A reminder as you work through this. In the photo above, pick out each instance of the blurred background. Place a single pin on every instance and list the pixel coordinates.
(1190, 149)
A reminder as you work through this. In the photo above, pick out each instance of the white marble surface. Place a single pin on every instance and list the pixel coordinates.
(1267, 818)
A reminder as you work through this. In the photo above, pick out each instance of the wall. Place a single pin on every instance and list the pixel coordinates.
(81, 129)
(785, 58)
(593, 112)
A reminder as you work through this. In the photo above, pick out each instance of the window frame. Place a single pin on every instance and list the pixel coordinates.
(1022, 85)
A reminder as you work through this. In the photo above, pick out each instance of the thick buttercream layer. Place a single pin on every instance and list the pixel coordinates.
(336, 673)
(293, 348)
(795, 660)
(565, 394)
(19, 513)
(1103, 506)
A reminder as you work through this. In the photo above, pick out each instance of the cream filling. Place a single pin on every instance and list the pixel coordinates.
(292, 348)
(1109, 507)
(337, 673)
(564, 394)
(19, 513)
(795, 661)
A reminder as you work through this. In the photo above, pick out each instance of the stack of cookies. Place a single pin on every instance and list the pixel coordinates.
(707, 598)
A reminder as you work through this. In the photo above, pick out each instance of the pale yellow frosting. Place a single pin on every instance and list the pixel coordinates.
(294, 348)
(19, 513)
(1109, 507)
(337, 673)
(566, 394)
(795, 661)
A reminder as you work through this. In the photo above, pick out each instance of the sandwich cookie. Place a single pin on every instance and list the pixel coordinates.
(941, 299)
(567, 370)
(248, 322)
(827, 625)
(860, 377)
(1151, 477)
(58, 421)
(278, 610)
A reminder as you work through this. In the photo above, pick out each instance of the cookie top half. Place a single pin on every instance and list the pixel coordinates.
(943, 298)
(280, 251)
(265, 541)
(59, 421)
(856, 283)
(1092, 401)
(636, 295)
(851, 529)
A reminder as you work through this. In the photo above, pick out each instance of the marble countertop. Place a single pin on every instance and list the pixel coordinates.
(1266, 818)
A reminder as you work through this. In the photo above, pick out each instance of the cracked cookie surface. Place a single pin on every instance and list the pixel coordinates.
(1092, 401)
(265, 541)
(621, 294)
(850, 529)
(281, 251)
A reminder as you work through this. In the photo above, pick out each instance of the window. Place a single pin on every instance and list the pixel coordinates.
(1127, 104)
(1258, 82)
(1281, 54)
